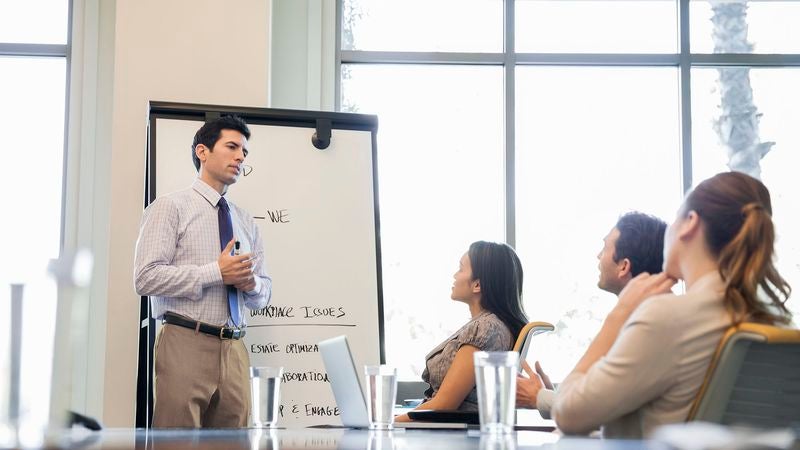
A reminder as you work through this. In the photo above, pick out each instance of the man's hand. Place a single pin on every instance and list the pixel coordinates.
(545, 379)
(528, 388)
(248, 285)
(237, 270)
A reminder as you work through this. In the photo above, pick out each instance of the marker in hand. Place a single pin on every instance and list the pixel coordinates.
(237, 250)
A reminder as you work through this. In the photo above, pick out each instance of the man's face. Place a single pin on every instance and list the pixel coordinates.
(610, 272)
(221, 166)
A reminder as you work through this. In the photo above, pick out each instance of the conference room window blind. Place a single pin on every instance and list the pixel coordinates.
(539, 122)
(33, 78)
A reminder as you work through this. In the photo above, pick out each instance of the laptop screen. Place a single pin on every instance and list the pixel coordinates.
(344, 381)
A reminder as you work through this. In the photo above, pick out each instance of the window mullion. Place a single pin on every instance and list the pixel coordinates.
(685, 87)
(509, 121)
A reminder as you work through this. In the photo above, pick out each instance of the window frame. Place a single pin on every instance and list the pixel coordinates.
(38, 51)
(33, 50)
(509, 60)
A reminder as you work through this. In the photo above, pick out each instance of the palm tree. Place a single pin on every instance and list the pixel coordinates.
(737, 124)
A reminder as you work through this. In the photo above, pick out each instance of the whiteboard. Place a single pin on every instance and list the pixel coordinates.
(317, 213)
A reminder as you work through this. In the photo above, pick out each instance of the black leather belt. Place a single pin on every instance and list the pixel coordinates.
(220, 332)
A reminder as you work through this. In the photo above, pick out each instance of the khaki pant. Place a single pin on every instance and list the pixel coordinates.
(200, 380)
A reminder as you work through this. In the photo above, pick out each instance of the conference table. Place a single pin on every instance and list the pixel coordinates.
(328, 438)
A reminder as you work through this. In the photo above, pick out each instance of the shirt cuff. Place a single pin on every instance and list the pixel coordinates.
(210, 274)
(256, 289)
(544, 402)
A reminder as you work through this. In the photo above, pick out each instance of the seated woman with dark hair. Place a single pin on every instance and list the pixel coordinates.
(489, 282)
(646, 365)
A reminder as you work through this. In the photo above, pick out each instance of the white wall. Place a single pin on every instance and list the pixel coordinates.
(86, 205)
(193, 51)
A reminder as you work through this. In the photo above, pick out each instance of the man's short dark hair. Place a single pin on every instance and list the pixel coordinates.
(641, 240)
(208, 134)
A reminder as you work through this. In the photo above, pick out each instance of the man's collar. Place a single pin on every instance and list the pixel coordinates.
(210, 194)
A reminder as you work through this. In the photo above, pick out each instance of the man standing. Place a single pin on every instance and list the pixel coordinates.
(633, 246)
(200, 259)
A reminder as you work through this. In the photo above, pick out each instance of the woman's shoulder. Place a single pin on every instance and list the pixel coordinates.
(485, 331)
(659, 302)
(657, 307)
(487, 319)
(707, 293)
(679, 310)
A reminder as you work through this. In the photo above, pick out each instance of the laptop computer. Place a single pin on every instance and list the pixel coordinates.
(347, 390)
(344, 382)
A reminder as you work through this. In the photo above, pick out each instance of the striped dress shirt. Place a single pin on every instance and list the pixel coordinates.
(177, 251)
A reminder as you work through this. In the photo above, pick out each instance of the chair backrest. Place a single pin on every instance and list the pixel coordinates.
(416, 389)
(528, 331)
(410, 391)
(754, 378)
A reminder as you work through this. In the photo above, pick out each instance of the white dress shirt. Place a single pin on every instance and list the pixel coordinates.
(177, 251)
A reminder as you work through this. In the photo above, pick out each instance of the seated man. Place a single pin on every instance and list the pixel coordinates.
(633, 246)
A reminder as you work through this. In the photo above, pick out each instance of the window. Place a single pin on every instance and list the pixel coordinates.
(616, 130)
(773, 106)
(559, 26)
(33, 65)
(440, 170)
(24, 22)
(737, 26)
(539, 125)
(423, 26)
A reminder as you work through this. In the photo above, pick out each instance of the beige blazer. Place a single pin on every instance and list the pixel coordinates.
(652, 373)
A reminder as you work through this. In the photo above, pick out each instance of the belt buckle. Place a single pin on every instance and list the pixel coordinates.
(235, 333)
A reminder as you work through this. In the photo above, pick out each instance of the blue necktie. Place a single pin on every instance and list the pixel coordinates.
(225, 236)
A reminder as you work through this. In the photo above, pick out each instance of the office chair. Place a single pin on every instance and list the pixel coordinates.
(410, 393)
(753, 380)
(407, 391)
(528, 331)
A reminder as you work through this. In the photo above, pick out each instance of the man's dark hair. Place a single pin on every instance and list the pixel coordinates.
(641, 240)
(208, 134)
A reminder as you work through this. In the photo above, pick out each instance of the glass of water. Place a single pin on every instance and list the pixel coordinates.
(381, 393)
(265, 383)
(496, 380)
